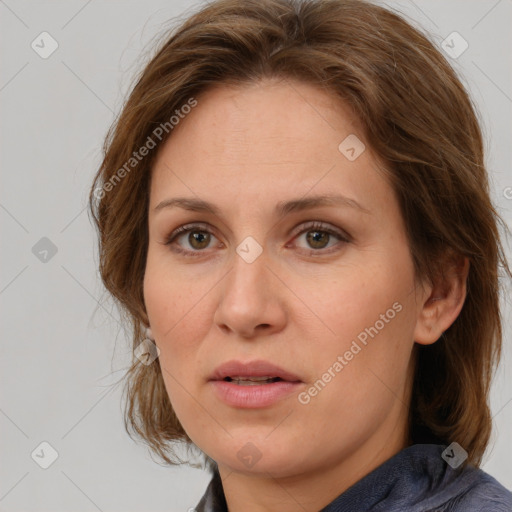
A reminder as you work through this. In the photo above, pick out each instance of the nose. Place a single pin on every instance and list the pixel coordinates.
(252, 301)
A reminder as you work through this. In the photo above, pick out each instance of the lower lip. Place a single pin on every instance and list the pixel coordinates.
(254, 396)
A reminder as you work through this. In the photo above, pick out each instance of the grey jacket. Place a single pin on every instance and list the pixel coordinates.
(417, 479)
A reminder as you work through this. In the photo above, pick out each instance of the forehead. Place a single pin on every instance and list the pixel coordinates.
(277, 113)
(263, 140)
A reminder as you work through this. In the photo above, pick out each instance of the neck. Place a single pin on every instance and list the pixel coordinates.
(313, 488)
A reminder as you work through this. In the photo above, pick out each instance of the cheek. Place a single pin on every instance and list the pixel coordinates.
(361, 300)
(360, 374)
(370, 316)
(172, 297)
(178, 320)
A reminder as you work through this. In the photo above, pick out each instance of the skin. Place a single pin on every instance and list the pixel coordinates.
(245, 149)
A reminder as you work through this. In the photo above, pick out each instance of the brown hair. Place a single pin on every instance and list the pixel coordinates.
(418, 119)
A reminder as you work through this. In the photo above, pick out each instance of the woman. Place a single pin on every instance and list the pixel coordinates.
(301, 234)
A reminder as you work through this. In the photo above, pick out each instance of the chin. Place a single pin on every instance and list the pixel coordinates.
(254, 455)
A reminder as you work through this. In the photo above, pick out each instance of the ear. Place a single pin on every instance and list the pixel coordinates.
(443, 301)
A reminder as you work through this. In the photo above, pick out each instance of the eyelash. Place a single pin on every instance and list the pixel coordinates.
(202, 228)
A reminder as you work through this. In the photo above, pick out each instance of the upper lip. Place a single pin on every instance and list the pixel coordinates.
(257, 368)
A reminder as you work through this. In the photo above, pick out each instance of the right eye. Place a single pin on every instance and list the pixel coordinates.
(197, 236)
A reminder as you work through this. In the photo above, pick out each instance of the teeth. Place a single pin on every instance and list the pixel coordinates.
(237, 377)
(251, 381)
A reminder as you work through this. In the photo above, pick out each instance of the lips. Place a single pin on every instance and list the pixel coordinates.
(253, 371)
(253, 385)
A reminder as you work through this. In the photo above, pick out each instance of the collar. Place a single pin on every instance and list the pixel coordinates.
(416, 479)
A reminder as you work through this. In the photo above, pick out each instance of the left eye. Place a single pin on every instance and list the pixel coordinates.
(318, 236)
(317, 239)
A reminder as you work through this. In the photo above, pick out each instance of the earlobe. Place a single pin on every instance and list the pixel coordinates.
(149, 334)
(444, 303)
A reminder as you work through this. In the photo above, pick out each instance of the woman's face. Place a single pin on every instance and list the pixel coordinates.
(325, 291)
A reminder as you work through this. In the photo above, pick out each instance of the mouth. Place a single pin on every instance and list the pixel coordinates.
(252, 381)
(255, 384)
(249, 373)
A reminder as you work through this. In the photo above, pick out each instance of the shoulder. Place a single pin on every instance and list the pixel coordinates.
(439, 487)
(483, 494)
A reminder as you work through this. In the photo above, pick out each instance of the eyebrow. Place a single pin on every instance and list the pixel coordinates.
(282, 208)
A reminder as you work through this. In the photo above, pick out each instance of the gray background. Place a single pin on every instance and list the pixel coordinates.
(61, 350)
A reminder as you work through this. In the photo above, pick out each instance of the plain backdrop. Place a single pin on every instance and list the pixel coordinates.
(62, 346)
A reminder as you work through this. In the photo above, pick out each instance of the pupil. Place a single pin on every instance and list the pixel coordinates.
(199, 240)
(316, 239)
